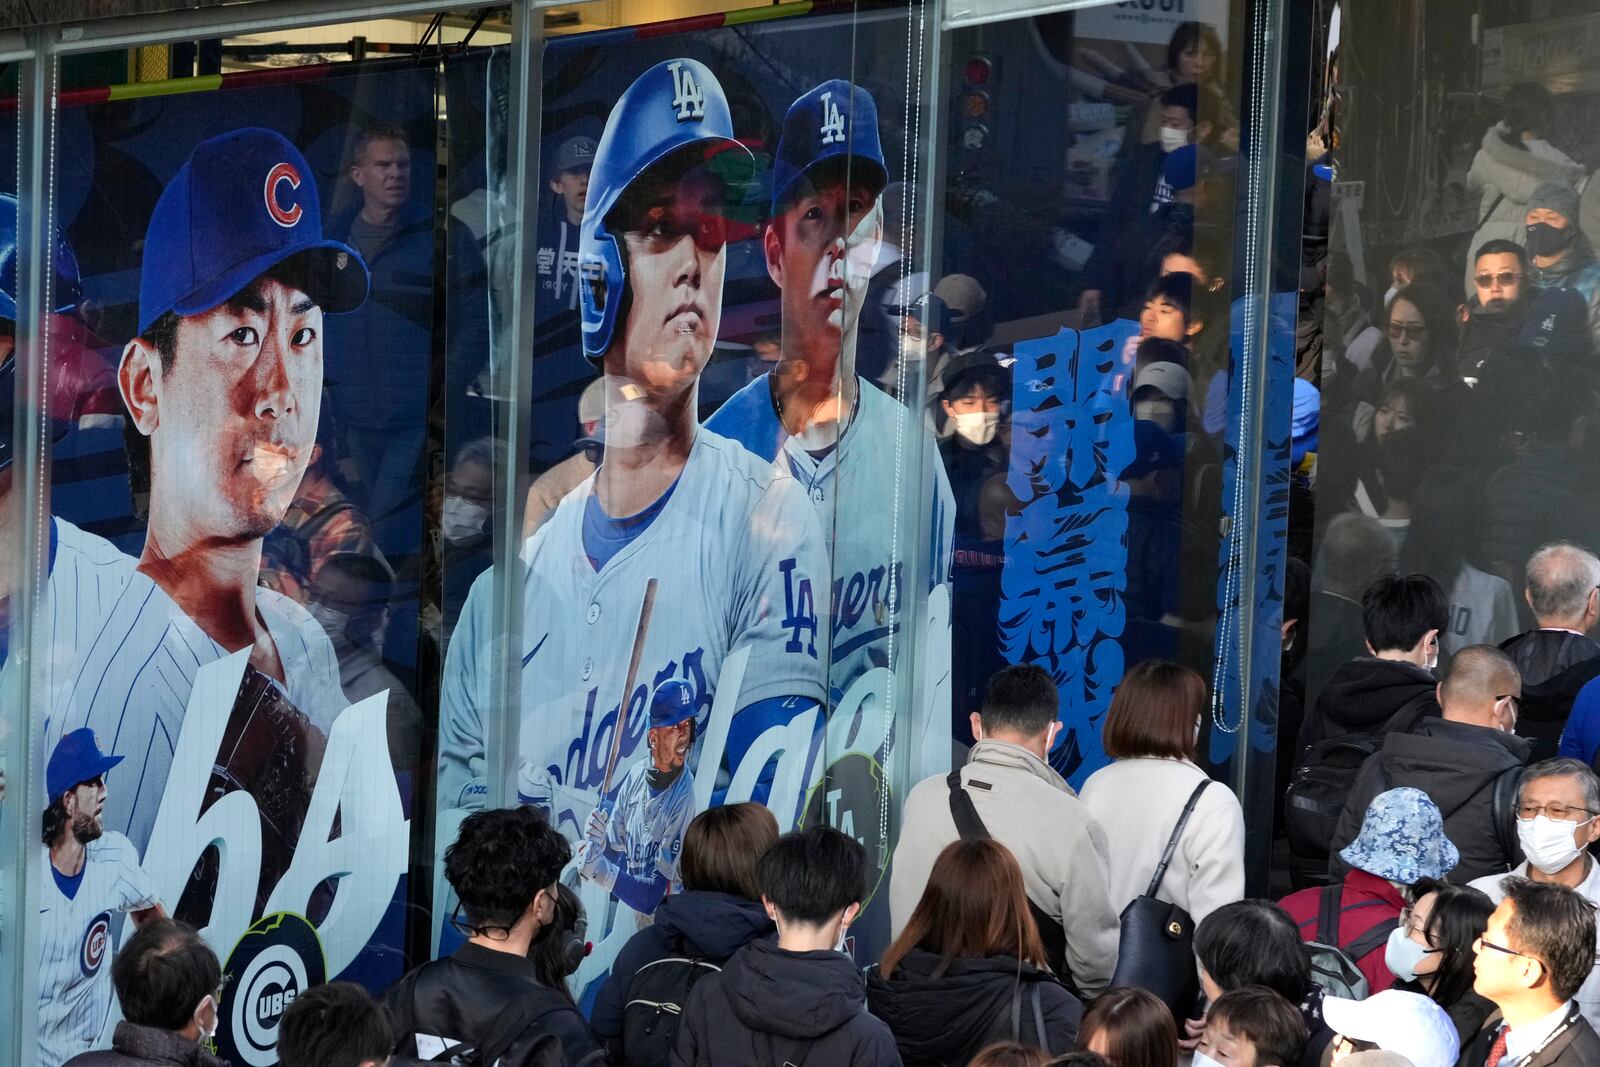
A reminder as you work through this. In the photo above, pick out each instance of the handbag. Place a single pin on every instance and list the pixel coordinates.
(1156, 949)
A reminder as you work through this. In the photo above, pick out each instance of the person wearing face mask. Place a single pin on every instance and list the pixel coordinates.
(1420, 343)
(1558, 818)
(1019, 800)
(801, 999)
(1393, 1021)
(1559, 253)
(1430, 951)
(503, 866)
(1467, 761)
(168, 983)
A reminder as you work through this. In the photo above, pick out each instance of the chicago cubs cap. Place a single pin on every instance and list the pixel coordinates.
(673, 703)
(834, 120)
(244, 202)
(77, 758)
(575, 152)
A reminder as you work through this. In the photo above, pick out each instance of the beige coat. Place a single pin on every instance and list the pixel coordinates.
(1031, 810)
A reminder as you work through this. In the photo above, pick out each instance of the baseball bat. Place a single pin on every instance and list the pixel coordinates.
(627, 687)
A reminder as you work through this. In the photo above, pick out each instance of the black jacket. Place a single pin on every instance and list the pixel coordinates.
(145, 1046)
(696, 924)
(1457, 765)
(771, 1006)
(944, 1021)
(458, 998)
(1555, 665)
(1578, 1046)
(1362, 695)
(1542, 654)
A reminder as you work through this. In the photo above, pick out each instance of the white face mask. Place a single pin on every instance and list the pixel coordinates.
(1389, 294)
(1549, 844)
(461, 519)
(207, 1033)
(976, 426)
(1160, 411)
(1173, 138)
(1202, 1060)
(332, 620)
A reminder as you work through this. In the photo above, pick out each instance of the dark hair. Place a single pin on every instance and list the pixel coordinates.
(1266, 1019)
(1187, 36)
(992, 379)
(1253, 942)
(1080, 1058)
(1500, 246)
(811, 875)
(500, 860)
(1459, 915)
(377, 131)
(1138, 1028)
(550, 950)
(1159, 350)
(1401, 461)
(1396, 612)
(1186, 96)
(722, 846)
(299, 271)
(1527, 108)
(974, 907)
(1438, 313)
(1154, 711)
(334, 1025)
(54, 821)
(162, 973)
(1011, 1054)
(1440, 537)
(1556, 926)
(1020, 699)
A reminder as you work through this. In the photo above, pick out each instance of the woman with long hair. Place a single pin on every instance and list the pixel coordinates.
(1430, 952)
(968, 968)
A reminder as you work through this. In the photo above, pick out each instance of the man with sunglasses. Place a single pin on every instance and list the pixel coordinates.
(487, 995)
(1535, 952)
(1558, 818)
(1499, 304)
(1468, 762)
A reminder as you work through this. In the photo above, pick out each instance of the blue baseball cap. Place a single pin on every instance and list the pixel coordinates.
(1305, 420)
(673, 703)
(77, 758)
(68, 291)
(244, 202)
(834, 120)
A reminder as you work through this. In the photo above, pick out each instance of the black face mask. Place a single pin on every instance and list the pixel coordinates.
(1546, 240)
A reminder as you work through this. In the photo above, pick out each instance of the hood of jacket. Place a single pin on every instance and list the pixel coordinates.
(992, 753)
(940, 1018)
(1498, 155)
(1365, 692)
(1451, 761)
(718, 924)
(795, 995)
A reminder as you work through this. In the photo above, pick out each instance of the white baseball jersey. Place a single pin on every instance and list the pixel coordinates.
(132, 679)
(75, 943)
(739, 559)
(644, 832)
(851, 488)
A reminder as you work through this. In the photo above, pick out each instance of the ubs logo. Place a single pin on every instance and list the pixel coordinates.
(96, 939)
(279, 959)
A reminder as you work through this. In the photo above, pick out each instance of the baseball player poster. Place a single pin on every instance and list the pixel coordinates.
(232, 626)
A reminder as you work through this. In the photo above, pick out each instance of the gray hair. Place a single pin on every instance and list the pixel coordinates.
(1356, 551)
(484, 451)
(1560, 577)
(1567, 768)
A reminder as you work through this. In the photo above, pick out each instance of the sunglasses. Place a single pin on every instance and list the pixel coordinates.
(1505, 279)
(1401, 330)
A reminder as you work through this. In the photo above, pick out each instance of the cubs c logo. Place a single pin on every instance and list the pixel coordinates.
(96, 938)
(283, 216)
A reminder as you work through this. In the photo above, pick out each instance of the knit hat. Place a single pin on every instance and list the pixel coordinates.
(1558, 197)
(1402, 839)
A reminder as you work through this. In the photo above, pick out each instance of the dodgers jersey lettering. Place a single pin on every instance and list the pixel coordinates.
(850, 487)
(739, 558)
(75, 944)
(131, 686)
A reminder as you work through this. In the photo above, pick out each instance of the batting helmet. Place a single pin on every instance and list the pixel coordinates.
(672, 703)
(673, 106)
(66, 296)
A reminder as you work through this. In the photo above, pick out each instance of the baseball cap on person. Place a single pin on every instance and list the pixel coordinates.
(242, 203)
(963, 294)
(673, 703)
(833, 121)
(575, 153)
(77, 758)
(68, 288)
(1171, 380)
(1396, 1021)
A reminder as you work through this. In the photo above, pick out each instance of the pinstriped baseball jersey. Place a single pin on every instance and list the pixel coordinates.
(75, 944)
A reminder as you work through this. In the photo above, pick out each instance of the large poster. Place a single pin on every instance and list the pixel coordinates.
(232, 608)
(716, 593)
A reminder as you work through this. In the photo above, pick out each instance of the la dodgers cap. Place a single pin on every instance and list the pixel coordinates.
(575, 152)
(672, 703)
(836, 119)
(77, 758)
(243, 202)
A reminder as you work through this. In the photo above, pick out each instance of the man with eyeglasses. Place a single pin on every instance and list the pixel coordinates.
(1558, 818)
(1468, 762)
(1531, 959)
(1499, 304)
(487, 995)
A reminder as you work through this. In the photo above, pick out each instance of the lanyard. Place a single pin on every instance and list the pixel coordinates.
(1566, 1024)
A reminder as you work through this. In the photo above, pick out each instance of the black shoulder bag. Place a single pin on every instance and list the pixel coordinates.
(1156, 950)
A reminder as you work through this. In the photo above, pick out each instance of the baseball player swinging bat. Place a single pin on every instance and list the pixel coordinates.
(627, 688)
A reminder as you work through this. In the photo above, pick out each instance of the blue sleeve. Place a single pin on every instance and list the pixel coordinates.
(640, 894)
(1581, 736)
(749, 723)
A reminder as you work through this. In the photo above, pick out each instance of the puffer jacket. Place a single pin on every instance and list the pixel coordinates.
(1505, 178)
(944, 1018)
(769, 1005)
(146, 1046)
(1576, 270)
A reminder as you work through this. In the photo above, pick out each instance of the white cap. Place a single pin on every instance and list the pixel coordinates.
(592, 402)
(1172, 380)
(1396, 1021)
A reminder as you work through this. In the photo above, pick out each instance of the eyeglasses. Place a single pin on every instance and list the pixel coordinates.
(1505, 279)
(466, 929)
(1406, 915)
(1402, 330)
(1558, 812)
(1479, 944)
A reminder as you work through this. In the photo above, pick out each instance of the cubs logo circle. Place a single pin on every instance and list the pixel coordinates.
(277, 959)
(279, 175)
(96, 940)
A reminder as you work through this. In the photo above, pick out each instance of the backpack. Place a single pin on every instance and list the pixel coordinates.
(1321, 783)
(503, 1032)
(656, 996)
(1333, 968)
